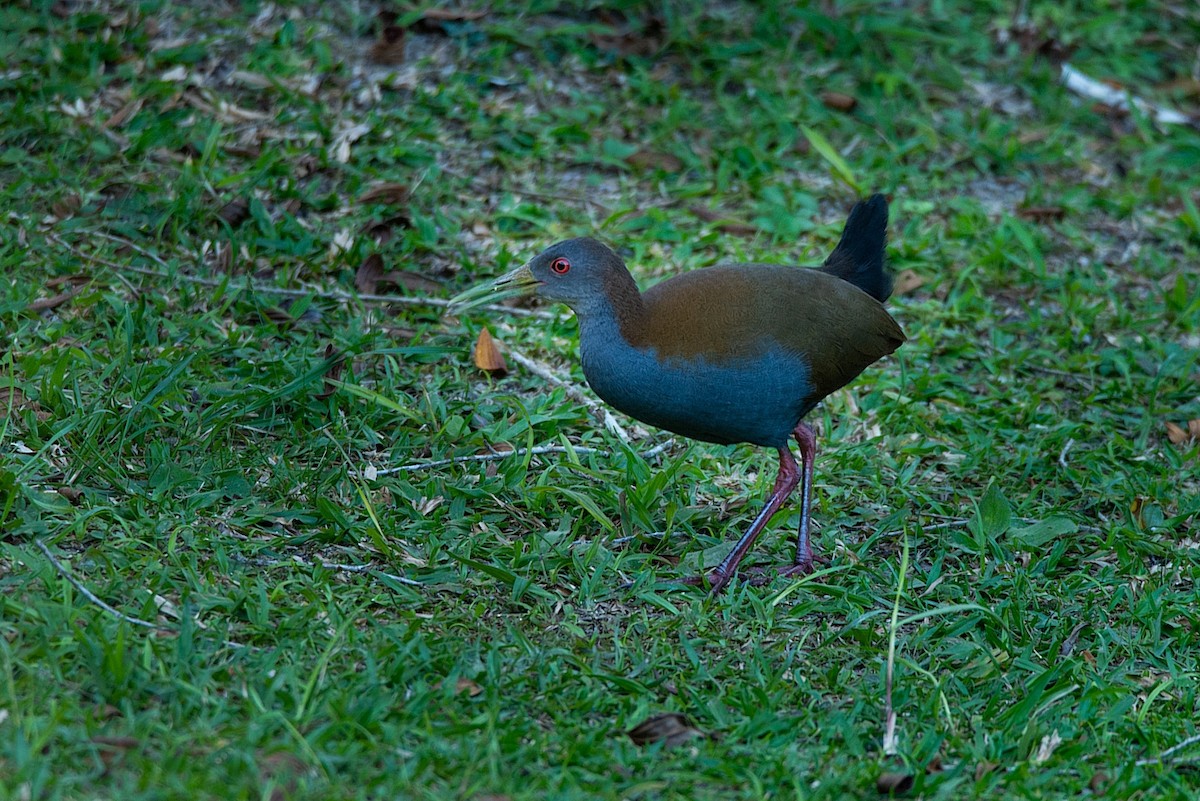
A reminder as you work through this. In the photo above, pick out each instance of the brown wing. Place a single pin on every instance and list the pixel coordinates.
(733, 312)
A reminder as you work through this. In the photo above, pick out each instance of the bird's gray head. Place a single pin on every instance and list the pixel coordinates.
(582, 273)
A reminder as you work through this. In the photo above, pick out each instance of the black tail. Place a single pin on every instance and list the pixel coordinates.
(858, 257)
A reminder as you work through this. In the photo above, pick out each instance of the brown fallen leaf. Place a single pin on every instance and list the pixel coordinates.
(277, 315)
(626, 39)
(366, 278)
(246, 151)
(488, 356)
(66, 206)
(337, 363)
(434, 20)
(111, 748)
(285, 770)
(385, 193)
(907, 281)
(54, 301)
(1042, 214)
(124, 113)
(383, 230)
(670, 728)
(413, 282)
(838, 101)
(723, 223)
(72, 495)
(654, 160)
(235, 212)
(893, 783)
(75, 279)
(389, 48)
(451, 15)
(1178, 435)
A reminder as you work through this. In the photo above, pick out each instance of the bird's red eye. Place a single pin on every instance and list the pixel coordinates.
(560, 265)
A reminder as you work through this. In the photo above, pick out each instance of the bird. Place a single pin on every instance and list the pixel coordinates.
(733, 353)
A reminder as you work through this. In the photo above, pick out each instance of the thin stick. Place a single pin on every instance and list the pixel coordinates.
(544, 371)
(91, 596)
(259, 561)
(250, 286)
(359, 569)
(889, 713)
(1092, 89)
(95, 599)
(1062, 455)
(488, 457)
(1195, 738)
(498, 455)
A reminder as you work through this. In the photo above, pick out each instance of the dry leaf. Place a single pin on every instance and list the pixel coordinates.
(467, 686)
(284, 770)
(1179, 435)
(278, 315)
(893, 783)
(54, 301)
(75, 279)
(1046, 747)
(838, 101)
(488, 357)
(366, 278)
(115, 741)
(66, 206)
(434, 20)
(654, 160)
(1042, 214)
(386, 193)
(647, 41)
(723, 223)
(907, 281)
(413, 282)
(382, 230)
(670, 728)
(389, 47)
(337, 363)
(72, 495)
(235, 212)
(123, 114)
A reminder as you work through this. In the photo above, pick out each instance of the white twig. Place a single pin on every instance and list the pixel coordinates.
(259, 561)
(544, 371)
(1195, 738)
(498, 455)
(487, 457)
(361, 569)
(250, 286)
(1092, 89)
(1062, 456)
(91, 596)
(95, 599)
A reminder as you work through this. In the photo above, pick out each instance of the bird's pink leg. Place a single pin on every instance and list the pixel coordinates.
(785, 482)
(808, 454)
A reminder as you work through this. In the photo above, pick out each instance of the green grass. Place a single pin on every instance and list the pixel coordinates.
(176, 447)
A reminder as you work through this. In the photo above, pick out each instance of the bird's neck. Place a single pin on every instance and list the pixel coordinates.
(619, 311)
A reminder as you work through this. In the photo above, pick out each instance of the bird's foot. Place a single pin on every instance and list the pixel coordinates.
(715, 581)
(759, 576)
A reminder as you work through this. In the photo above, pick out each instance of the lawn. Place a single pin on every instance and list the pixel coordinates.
(247, 549)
